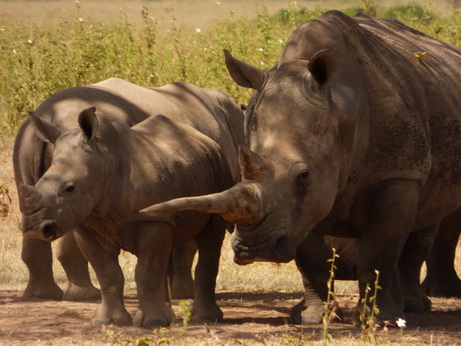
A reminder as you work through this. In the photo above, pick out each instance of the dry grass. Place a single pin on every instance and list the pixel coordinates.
(189, 15)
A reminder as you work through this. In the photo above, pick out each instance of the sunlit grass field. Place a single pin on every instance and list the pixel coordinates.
(44, 49)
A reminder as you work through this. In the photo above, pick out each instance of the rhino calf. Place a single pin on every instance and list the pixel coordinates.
(103, 172)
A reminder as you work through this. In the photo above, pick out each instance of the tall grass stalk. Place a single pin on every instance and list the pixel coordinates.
(329, 304)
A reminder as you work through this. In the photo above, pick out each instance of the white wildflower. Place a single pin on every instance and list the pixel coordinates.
(401, 323)
(29, 41)
(261, 49)
(198, 30)
(80, 20)
(14, 51)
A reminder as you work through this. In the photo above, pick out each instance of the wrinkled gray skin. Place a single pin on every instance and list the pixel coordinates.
(353, 136)
(124, 102)
(114, 171)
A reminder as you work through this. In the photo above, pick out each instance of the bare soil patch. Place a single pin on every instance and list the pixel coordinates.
(249, 318)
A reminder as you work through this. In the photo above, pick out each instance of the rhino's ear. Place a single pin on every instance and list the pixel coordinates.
(45, 130)
(242, 73)
(324, 67)
(88, 122)
(252, 165)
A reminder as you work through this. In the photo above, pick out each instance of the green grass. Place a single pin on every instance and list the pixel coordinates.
(37, 60)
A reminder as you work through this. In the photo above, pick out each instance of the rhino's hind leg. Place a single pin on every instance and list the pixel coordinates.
(415, 251)
(442, 279)
(154, 249)
(75, 265)
(37, 256)
(182, 285)
(209, 242)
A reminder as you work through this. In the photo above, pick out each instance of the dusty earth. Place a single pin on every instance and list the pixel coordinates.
(249, 318)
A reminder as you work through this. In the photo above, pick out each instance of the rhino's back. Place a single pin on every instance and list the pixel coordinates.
(209, 111)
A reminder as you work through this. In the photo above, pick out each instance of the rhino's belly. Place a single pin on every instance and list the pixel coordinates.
(188, 225)
(437, 203)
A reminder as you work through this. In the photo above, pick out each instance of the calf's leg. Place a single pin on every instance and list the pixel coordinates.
(153, 250)
(110, 276)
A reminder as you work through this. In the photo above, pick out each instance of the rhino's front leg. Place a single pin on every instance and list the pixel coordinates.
(154, 247)
(75, 265)
(390, 219)
(110, 277)
(37, 256)
(209, 242)
(312, 261)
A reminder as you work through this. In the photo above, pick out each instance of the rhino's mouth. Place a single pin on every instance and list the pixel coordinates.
(282, 250)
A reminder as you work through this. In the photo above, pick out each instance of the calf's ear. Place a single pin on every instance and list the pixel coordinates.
(242, 73)
(88, 122)
(45, 130)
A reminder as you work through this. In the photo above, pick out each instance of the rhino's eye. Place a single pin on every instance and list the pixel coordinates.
(69, 188)
(302, 178)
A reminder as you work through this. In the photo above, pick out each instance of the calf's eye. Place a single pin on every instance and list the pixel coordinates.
(68, 188)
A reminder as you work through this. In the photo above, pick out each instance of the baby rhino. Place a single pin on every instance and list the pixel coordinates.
(101, 174)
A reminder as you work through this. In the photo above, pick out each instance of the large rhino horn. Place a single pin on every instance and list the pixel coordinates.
(240, 204)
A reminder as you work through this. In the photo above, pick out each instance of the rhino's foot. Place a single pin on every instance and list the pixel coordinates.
(119, 317)
(79, 293)
(423, 304)
(446, 287)
(182, 288)
(154, 319)
(208, 313)
(313, 314)
(44, 290)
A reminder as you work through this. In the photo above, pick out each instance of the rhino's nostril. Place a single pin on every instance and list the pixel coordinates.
(50, 231)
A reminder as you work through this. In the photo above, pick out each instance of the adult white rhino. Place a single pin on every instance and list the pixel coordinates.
(356, 132)
(101, 172)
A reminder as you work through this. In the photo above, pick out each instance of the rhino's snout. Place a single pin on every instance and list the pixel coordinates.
(47, 230)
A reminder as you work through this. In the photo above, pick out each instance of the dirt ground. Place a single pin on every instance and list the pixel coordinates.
(249, 318)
